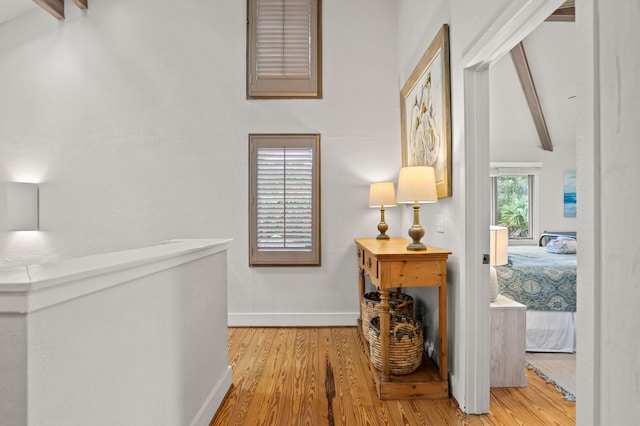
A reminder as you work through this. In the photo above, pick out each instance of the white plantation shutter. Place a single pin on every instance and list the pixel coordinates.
(283, 48)
(283, 38)
(284, 199)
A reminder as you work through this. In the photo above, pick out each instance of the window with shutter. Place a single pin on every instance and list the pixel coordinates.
(284, 200)
(283, 49)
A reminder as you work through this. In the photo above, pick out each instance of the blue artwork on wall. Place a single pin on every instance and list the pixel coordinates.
(570, 193)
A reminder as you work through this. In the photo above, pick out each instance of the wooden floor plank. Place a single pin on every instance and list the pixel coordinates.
(294, 376)
(345, 407)
(366, 404)
(249, 366)
(271, 406)
(306, 376)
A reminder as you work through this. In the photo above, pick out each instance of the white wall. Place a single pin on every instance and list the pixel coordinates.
(13, 356)
(133, 117)
(132, 337)
(359, 122)
(609, 370)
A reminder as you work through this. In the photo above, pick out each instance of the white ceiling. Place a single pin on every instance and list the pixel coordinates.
(9, 9)
(551, 54)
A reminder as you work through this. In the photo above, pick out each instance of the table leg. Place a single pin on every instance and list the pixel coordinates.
(361, 293)
(384, 334)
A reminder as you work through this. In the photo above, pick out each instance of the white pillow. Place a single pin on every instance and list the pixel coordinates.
(562, 245)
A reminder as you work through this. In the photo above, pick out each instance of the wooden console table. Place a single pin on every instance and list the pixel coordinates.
(390, 265)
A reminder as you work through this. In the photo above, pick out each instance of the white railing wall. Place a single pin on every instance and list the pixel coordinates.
(137, 337)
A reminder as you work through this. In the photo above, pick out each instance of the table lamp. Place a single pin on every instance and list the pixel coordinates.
(417, 185)
(498, 252)
(382, 194)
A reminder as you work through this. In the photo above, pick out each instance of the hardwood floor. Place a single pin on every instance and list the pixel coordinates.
(320, 376)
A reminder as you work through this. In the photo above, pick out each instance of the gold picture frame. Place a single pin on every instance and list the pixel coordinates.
(425, 113)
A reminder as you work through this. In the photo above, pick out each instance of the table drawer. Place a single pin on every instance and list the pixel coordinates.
(371, 266)
(368, 262)
(360, 257)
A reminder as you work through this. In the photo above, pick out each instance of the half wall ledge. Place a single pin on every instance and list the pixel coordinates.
(133, 330)
(28, 288)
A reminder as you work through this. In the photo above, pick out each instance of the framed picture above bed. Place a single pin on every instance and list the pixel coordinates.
(569, 186)
(425, 113)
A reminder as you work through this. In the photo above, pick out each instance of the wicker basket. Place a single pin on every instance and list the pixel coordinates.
(399, 303)
(406, 344)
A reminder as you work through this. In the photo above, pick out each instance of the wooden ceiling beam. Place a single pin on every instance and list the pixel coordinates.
(54, 7)
(524, 74)
(82, 4)
(565, 13)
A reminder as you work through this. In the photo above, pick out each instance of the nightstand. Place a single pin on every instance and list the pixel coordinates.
(508, 343)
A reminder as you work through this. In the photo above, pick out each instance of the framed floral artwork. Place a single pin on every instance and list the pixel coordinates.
(425, 113)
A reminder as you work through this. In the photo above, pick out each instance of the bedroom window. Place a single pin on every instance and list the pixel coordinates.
(514, 199)
(284, 49)
(284, 199)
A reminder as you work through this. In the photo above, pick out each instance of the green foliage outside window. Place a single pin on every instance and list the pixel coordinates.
(513, 205)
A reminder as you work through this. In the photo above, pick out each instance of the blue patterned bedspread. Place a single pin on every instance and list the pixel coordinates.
(540, 280)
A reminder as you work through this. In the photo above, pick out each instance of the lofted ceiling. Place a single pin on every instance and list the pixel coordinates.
(13, 8)
(552, 46)
(551, 57)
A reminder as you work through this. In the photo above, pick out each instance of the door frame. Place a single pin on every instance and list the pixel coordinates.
(514, 23)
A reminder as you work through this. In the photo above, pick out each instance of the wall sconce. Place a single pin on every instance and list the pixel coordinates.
(417, 185)
(382, 194)
(22, 206)
(498, 252)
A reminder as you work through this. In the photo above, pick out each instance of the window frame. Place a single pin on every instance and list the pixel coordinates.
(285, 87)
(284, 257)
(533, 171)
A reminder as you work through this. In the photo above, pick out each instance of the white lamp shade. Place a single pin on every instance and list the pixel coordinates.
(417, 184)
(499, 244)
(22, 206)
(382, 194)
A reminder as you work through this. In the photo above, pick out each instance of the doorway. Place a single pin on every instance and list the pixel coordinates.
(515, 22)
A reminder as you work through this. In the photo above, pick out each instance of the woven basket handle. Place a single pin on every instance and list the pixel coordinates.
(403, 304)
(410, 326)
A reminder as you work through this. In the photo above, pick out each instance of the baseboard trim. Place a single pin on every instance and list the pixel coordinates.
(322, 319)
(210, 406)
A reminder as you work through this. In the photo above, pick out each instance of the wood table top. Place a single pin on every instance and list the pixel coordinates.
(394, 247)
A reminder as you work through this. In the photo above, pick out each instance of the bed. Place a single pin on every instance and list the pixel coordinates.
(546, 283)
